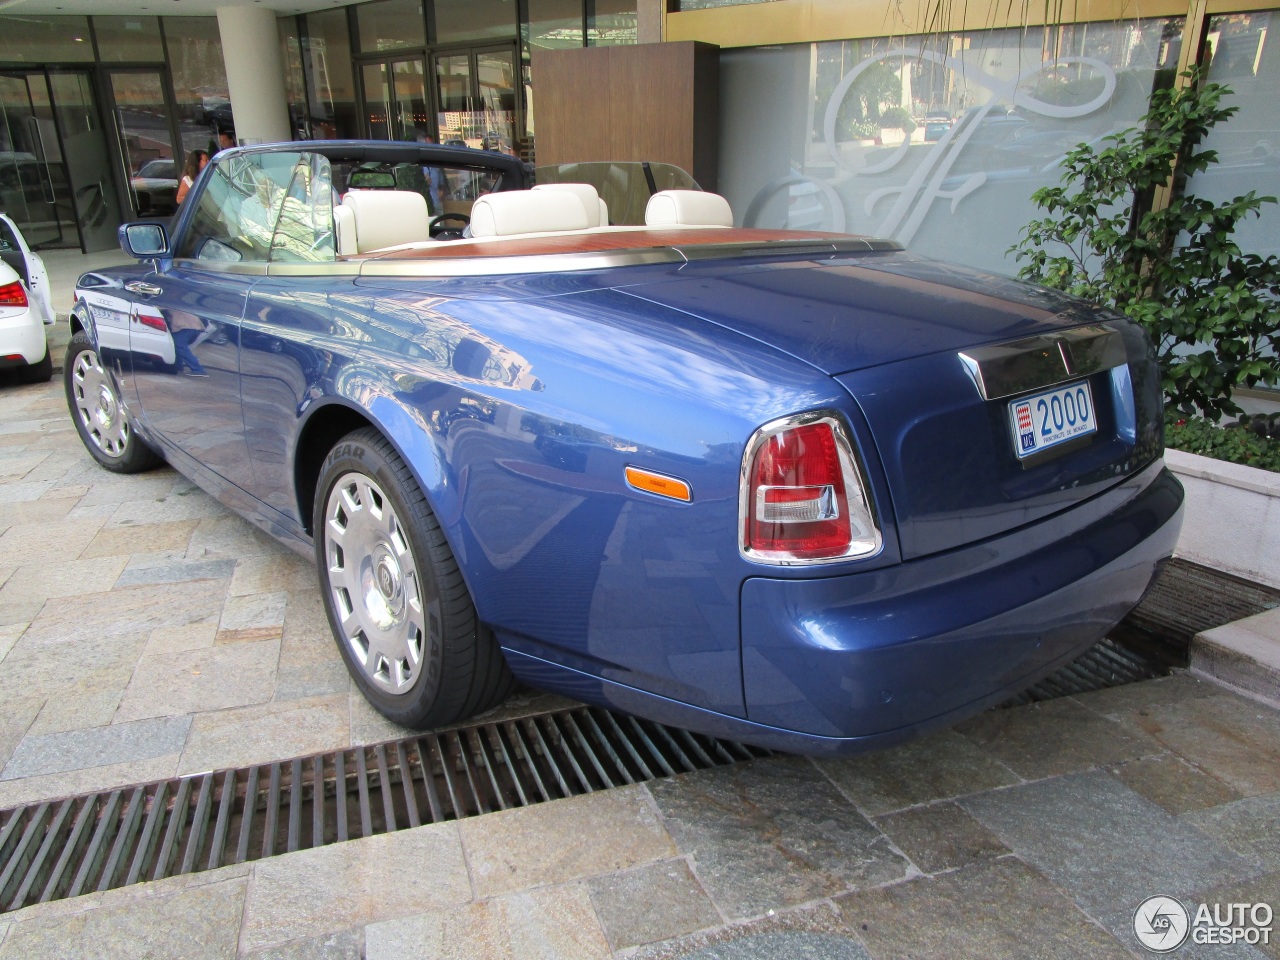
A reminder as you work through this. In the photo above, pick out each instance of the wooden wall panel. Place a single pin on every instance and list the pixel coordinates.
(656, 102)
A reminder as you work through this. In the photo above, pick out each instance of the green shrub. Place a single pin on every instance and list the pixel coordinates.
(1212, 310)
(1239, 443)
(899, 118)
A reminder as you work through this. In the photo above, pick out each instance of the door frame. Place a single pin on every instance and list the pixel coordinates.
(385, 59)
(107, 105)
(43, 73)
(474, 50)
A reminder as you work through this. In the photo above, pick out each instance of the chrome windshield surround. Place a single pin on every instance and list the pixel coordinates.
(856, 488)
(503, 266)
(1006, 369)
(252, 268)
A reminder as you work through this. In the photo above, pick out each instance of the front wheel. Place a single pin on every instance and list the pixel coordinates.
(99, 416)
(399, 609)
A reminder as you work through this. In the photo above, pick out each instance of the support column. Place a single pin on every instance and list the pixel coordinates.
(650, 15)
(255, 74)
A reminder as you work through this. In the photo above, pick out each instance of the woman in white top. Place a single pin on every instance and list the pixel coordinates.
(196, 161)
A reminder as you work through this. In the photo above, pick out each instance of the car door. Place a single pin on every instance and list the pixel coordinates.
(197, 299)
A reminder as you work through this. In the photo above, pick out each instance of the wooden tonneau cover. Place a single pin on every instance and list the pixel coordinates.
(601, 241)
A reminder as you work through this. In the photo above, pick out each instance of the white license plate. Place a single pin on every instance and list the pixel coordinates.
(1051, 417)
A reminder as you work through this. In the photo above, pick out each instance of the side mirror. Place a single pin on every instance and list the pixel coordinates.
(144, 240)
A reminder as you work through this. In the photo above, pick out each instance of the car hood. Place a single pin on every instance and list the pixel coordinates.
(849, 313)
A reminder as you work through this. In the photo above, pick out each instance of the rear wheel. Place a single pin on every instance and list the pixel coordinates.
(99, 416)
(397, 604)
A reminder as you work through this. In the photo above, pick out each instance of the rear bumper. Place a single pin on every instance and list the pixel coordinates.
(847, 664)
(892, 652)
(24, 336)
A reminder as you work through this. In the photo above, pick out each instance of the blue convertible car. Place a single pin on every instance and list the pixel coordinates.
(804, 490)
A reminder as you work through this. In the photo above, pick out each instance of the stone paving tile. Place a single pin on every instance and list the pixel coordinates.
(1102, 843)
(1001, 910)
(192, 636)
(228, 537)
(940, 837)
(132, 613)
(938, 767)
(9, 633)
(88, 699)
(258, 734)
(551, 923)
(257, 617)
(44, 510)
(773, 834)
(197, 681)
(194, 505)
(27, 491)
(14, 793)
(1265, 889)
(1251, 827)
(172, 567)
(566, 840)
(1120, 702)
(16, 612)
(1234, 740)
(1052, 738)
(46, 541)
(73, 578)
(655, 902)
(333, 888)
(100, 746)
(367, 725)
(344, 945)
(15, 720)
(195, 924)
(815, 932)
(1173, 783)
(275, 573)
(106, 487)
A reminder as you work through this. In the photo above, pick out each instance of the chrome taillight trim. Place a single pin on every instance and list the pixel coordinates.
(855, 485)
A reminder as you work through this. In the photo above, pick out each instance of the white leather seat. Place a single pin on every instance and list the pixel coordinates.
(688, 208)
(590, 198)
(515, 212)
(385, 218)
(344, 228)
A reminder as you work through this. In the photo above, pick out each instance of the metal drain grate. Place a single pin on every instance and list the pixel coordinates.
(1106, 664)
(63, 848)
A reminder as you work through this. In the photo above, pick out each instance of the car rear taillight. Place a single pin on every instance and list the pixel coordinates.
(803, 498)
(152, 320)
(12, 295)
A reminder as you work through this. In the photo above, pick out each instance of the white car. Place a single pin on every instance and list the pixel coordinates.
(121, 326)
(25, 307)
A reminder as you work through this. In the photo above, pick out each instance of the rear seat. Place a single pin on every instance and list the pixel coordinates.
(687, 208)
(368, 220)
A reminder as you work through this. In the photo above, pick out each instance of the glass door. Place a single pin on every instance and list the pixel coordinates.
(84, 145)
(145, 141)
(476, 97)
(395, 98)
(33, 180)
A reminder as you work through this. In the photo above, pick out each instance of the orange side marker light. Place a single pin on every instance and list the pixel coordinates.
(659, 484)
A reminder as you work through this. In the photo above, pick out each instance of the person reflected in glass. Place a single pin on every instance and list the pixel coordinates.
(186, 328)
(196, 161)
(437, 185)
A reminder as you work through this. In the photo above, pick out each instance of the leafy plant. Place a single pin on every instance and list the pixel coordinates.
(898, 118)
(1240, 443)
(1212, 310)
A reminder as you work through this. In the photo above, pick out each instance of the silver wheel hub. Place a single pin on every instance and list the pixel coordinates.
(98, 406)
(373, 580)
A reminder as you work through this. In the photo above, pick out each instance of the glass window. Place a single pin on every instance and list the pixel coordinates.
(31, 39)
(294, 82)
(331, 97)
(612, 23)
(304, 232)
(938, 143)
(239, 207)
(390, 25)
(704, 4)
(475, 20)
(1244, 54)
(554, 24)
(128, 39)
(199, 81)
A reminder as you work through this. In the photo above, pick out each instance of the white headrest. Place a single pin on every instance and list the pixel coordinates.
(387, 218)
(591, 202)
(692, 208)
(513, 212)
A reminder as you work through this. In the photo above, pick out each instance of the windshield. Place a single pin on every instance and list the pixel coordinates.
(624, 187)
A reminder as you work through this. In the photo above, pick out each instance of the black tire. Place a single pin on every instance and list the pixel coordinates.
(374, 565)
(40, 371)
(96, 411)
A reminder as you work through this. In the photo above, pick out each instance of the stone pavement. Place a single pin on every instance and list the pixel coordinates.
(146, 633)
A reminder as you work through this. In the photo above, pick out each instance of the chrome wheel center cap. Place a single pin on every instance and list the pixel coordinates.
(383, 591)
(106, 406)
